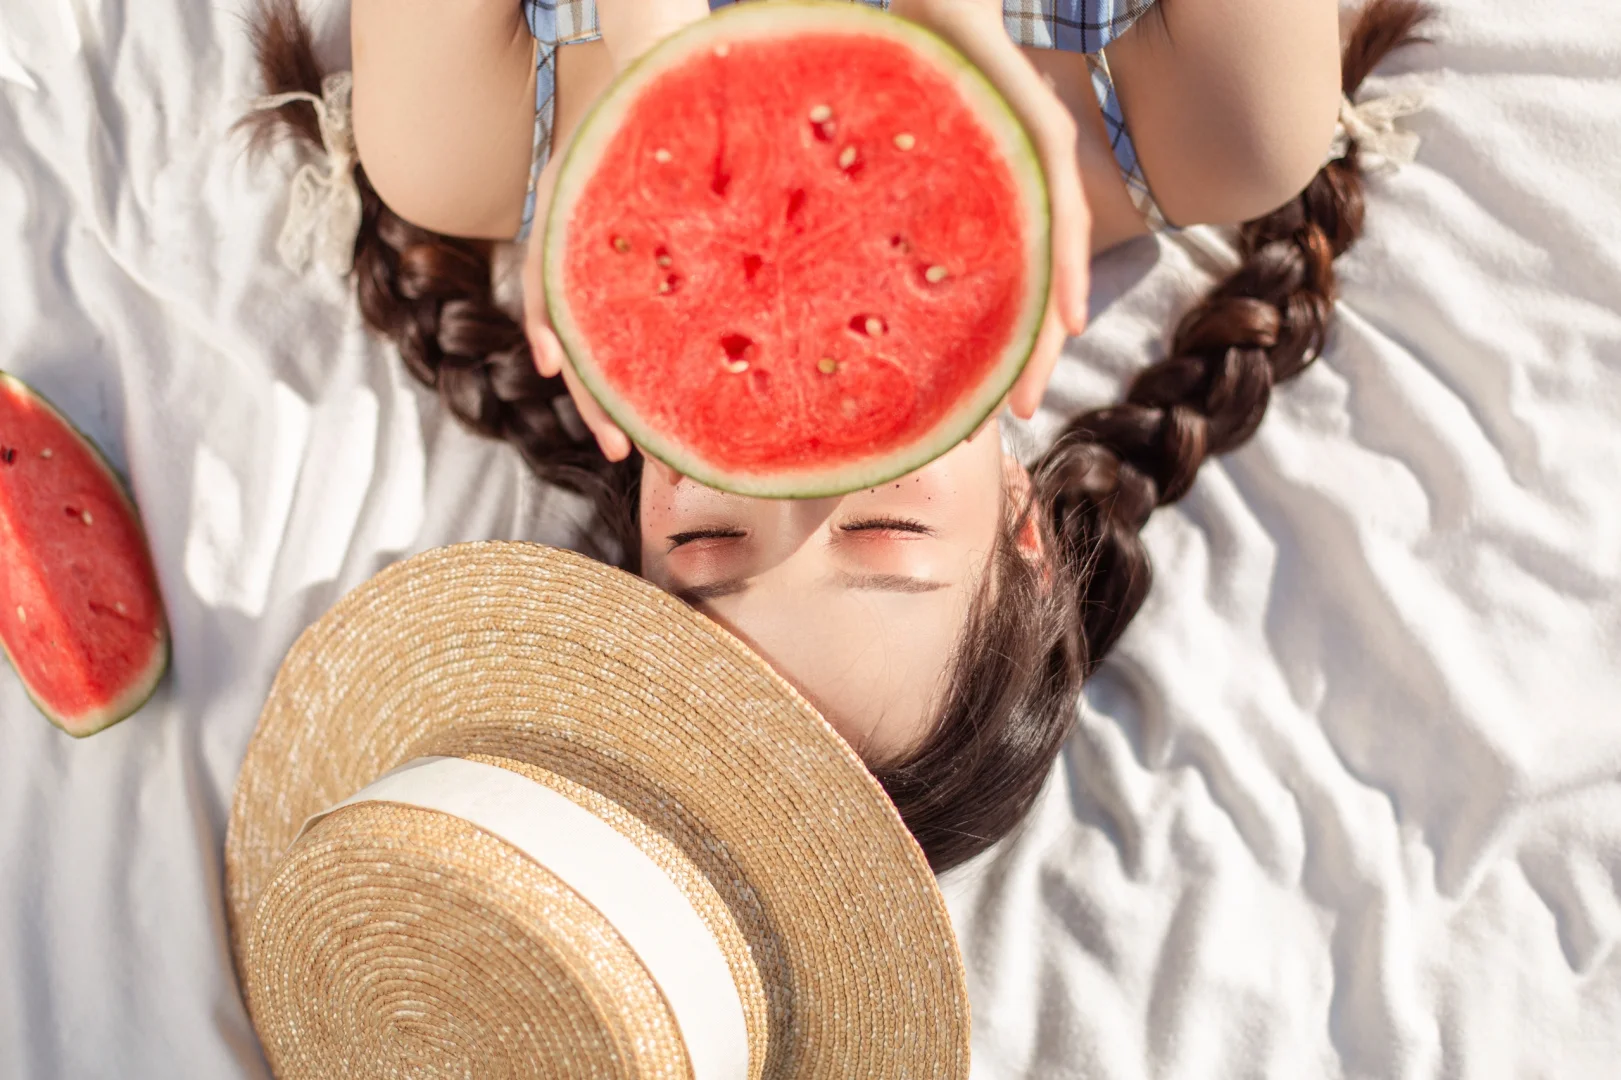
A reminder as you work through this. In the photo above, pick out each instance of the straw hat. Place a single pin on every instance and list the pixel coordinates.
(565, 826)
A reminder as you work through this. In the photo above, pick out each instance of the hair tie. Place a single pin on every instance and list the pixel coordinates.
(323, 212)
(1372, 127)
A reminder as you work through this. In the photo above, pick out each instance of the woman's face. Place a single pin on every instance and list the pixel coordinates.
(857, 600)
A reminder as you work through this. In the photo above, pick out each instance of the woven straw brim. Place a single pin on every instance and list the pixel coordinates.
(411, 935)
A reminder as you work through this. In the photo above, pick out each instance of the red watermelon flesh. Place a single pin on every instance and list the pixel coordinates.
(81, 618)
(804, 252)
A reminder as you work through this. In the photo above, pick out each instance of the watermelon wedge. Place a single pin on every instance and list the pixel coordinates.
(81, 619)
(798, 249)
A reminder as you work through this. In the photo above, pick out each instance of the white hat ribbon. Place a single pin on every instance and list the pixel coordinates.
(1372, 126)
(323, 213)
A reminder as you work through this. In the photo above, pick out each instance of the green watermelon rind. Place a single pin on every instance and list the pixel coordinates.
(599, 126)
(141, 690)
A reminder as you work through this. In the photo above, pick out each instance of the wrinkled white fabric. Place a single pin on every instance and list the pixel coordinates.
(1345, 803)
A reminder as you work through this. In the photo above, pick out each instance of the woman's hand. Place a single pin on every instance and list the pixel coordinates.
(543, 343)
(629, 28)
(976, 28)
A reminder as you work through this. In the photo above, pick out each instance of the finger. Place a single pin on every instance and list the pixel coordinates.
(1025, 397)
(1071, 224)
(543, 343)
(537, 325)
(615, 446)
(546, 349)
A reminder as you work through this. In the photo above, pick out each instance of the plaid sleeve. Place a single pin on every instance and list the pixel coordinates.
(1085, 26)
(554, 23)
(562, 22)
(1090, 26)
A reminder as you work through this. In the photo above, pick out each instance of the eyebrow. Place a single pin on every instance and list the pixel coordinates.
(898, 583)
(895, 583)
(697, 594)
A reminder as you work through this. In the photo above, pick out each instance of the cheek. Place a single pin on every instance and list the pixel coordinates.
(655, 517)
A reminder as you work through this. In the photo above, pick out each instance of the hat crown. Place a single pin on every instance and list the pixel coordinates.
(646, 907)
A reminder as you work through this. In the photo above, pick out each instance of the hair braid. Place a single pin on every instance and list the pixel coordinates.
(431, 295)
(1264, 324)
(1010, 702)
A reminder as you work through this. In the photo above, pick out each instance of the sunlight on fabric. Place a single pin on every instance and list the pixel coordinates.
(10, 69)
(338, 465)
(238, 516)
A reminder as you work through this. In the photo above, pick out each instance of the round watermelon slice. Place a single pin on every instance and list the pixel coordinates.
(798, 249)
(81, 619)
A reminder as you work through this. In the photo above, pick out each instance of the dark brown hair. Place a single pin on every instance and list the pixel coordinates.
(432, 296)
(1039, 630)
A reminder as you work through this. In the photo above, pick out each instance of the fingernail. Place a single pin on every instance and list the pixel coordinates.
(551, 354)
(1076, 310)
(537, 349)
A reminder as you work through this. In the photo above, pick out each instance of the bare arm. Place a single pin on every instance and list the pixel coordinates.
(444, 110)
(1231, 104)
(444, 100)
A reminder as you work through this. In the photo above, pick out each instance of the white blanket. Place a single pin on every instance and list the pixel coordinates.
(1346, 802)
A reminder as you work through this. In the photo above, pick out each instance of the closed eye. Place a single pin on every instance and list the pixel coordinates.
(675, 540)
(905, 525)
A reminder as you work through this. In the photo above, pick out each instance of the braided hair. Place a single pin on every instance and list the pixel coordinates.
(1040, 631)
(433, 297)
(1037, 631)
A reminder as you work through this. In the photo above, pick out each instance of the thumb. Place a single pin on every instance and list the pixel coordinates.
(537, 323)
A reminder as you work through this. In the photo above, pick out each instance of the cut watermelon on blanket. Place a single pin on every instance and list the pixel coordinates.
(798, 249)
(81, 619)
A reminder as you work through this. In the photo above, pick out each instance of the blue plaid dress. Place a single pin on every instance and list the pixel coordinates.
(1084, 26)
